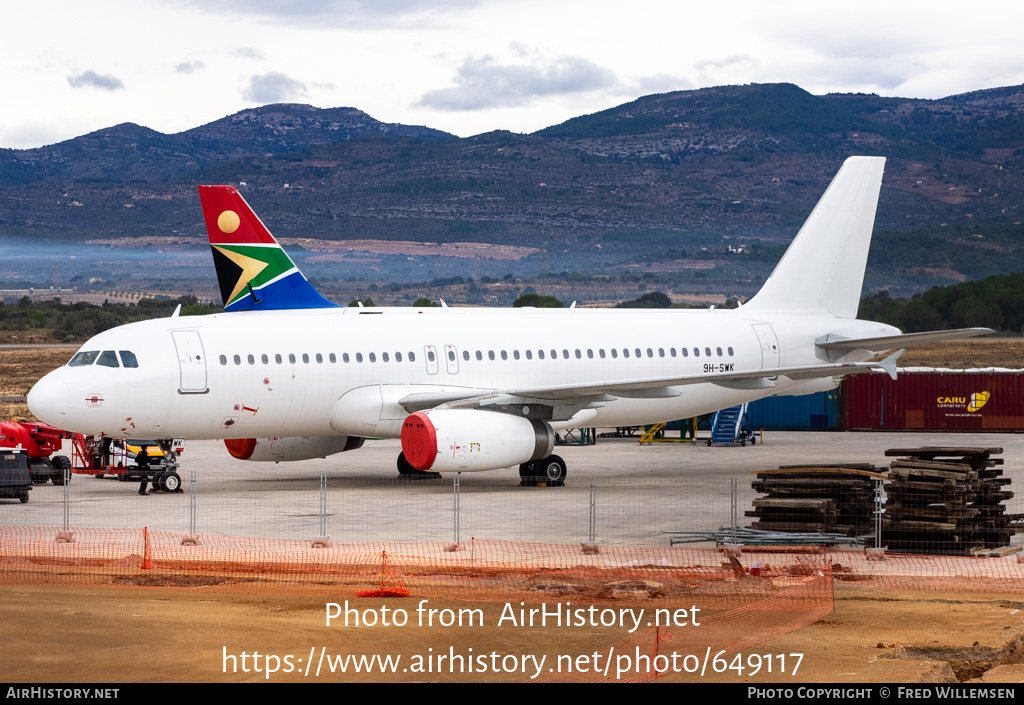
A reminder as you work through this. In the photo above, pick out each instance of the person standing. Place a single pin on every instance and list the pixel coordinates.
(142, 460)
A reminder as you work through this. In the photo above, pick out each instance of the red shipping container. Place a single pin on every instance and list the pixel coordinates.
(936, 401)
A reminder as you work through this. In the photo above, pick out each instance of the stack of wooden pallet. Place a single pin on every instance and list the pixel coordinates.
(947, 500)
(834, 499)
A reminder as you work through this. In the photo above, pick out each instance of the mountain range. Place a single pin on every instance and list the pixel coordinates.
(685, 169)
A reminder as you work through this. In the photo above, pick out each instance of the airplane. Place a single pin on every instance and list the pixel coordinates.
(287, 375)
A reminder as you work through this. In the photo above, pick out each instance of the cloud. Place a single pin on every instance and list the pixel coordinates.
(250, 53)
(91, 78)
(336, 12)
(481, 83)
(274, 87)
(189, 66)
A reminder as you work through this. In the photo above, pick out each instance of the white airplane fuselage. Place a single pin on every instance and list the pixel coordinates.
(338, 372)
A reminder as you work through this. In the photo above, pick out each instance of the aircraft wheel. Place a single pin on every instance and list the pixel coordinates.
(405, 469)
(551, 471)
(527, 475)
(170, 481)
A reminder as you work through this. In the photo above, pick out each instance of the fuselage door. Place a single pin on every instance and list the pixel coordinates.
(451, 358)
(191, 361)
(430, 354)
(769, 345)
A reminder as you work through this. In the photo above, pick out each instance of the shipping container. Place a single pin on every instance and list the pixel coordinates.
(810, 412)
(936, 400)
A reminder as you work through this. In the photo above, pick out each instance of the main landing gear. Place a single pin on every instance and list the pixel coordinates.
(549, 471)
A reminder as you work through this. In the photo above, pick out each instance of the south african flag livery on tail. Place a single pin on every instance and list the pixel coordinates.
(253, 270)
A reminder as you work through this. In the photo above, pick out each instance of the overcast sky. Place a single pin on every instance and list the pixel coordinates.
(470, 66)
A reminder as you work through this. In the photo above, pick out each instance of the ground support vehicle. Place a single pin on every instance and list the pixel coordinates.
(15, 476)
(119, 457)
(39, 442)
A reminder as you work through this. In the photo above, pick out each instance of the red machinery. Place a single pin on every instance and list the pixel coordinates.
(40, 442)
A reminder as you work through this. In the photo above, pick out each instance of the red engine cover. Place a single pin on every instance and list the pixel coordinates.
(240, 448)
(419, 441)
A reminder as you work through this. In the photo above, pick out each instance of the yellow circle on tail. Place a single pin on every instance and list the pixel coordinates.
(228, 222)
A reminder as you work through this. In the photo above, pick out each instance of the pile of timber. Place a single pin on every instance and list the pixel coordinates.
(947, 501)
(833, 499)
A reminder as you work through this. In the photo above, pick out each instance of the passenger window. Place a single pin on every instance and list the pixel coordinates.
(264, 359)
(579, 355)
(305, 358)
(451, 355)
(384, 357)
(515, 354)
(84, 358)
(600, 353)
(661, 352)
(615, 353)
(223, 359)
(412, 357)
(672, 352)
(465, 355)
(696, 352)
(398, 357)
(319, 358)
(730, 352)
(291, 358)
(238, 360)
(479, 355)
(128, 359)
(359, 357)
(590, 353)
(333, 358)
(373, 357)
(344, 357)
(540, 354)
(108, 359)
(638, 353)
(430, 355)
(490, 354)
(719, 351)
(529, 354)
(625, 352)
(277, 358)
(685, 352)
(554, 354)
(252, 360)
(504, 355)
(650, 353)
(707, 352)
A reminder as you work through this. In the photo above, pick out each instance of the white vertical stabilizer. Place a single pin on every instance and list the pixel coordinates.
(823, 269)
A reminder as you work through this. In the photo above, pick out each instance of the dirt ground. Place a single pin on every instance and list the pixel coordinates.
(118, 635)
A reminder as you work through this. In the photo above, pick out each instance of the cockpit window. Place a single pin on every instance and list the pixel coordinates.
(108, 359)
(128, 359)
(84, 358)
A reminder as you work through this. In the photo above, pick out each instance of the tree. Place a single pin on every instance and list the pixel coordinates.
(423, 302)
(537, 301)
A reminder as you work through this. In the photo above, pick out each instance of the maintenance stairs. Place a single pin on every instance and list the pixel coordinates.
(728, 426)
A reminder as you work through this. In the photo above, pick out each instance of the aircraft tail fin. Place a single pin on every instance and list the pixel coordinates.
(253, 270)
(823, 269)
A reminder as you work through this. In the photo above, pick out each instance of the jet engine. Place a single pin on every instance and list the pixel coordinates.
(290, 448)
(447, 440)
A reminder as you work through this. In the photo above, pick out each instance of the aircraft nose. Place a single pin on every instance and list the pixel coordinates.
(48, 400)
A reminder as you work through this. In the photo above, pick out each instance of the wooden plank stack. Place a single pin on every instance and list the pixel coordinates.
(833, 499)
(947, 500)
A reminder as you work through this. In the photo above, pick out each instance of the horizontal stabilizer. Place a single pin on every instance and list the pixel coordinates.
(892, 342)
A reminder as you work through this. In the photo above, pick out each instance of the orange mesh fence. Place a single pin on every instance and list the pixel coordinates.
(472, 570)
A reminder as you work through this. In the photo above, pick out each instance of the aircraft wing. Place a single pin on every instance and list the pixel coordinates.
(646, 387)
(891, 342)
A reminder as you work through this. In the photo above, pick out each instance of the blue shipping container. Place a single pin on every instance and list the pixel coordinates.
(811, 412)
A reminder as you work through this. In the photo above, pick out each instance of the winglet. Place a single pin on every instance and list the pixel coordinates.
(889, 364)
(253, 270)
